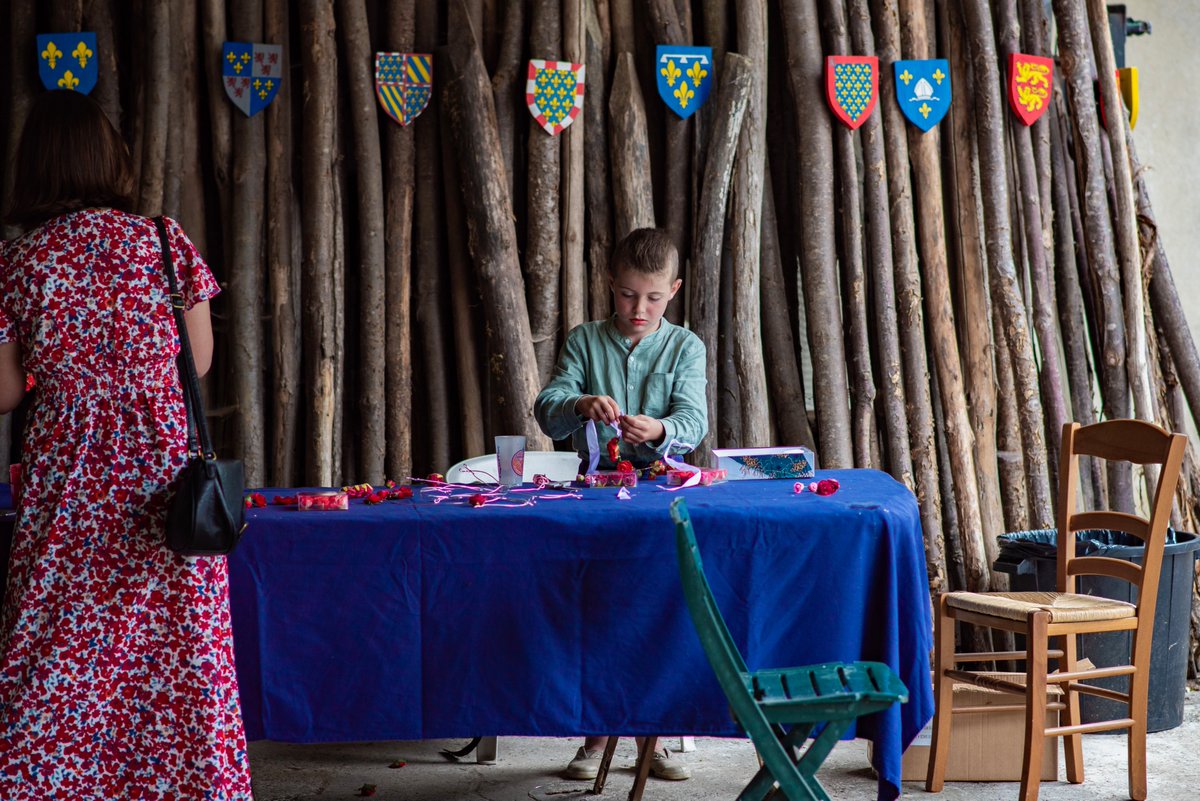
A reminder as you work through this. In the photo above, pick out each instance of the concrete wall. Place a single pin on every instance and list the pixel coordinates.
(1168, 132)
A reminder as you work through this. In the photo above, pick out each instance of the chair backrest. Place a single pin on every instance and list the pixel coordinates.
(718, 645)
(1134, 441)
(555, 465)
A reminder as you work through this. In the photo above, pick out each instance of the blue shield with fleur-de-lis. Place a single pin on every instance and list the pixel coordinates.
(923, 90)
(251, 74)
(685, 76)
(68, 61)
(403, 84)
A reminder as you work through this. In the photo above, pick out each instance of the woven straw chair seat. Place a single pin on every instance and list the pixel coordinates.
(1063, 607)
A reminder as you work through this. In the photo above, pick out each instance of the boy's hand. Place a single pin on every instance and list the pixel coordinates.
(638, 428)
(600, 408)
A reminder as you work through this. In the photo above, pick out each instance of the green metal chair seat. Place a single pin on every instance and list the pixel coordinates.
(780, 707)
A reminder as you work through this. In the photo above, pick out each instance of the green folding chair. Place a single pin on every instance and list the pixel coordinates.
(779, 708)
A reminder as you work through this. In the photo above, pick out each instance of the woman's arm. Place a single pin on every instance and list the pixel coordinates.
(12, 377)
(199, 331)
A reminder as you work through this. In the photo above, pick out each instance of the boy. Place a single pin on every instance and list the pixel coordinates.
(635, 368)
(640, 371)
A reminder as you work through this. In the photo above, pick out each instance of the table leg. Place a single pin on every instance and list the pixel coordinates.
(605, 761)
(645, 757)
(485, 752)
(687, 744)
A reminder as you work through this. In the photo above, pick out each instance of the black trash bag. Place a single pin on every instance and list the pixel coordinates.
(1019, 549)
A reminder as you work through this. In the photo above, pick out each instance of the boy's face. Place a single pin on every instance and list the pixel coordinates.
(640, 299)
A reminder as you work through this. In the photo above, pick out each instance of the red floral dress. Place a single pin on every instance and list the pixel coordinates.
(116, 657)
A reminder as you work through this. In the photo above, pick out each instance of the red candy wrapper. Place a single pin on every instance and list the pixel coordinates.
(610, 478)
(323, 501)
(708, 476)
(827, 486)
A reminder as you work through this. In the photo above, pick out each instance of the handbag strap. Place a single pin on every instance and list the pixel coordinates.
(192, 400)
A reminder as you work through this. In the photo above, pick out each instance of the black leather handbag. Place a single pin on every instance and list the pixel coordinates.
(205, 516)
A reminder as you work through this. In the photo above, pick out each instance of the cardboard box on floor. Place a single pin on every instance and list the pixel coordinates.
(984, 746)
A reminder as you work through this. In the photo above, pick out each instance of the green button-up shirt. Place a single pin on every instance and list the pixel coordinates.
(662, 377)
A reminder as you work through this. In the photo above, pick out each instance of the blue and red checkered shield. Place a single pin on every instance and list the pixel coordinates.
(251, 74)
(403, 84)
(554, 93)
(68, 61)
(851, 85)
(684, 77)
(923, 90)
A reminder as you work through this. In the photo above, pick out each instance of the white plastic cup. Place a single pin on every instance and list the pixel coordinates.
(510, 458)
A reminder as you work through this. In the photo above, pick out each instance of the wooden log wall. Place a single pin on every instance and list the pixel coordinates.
(931, 304)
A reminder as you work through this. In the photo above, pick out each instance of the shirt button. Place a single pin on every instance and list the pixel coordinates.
(630, 387)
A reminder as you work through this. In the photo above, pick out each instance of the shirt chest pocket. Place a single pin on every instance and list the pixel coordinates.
(656, 399)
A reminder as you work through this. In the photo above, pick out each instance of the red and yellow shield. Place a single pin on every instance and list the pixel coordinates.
(1030, 79)
(851, 85)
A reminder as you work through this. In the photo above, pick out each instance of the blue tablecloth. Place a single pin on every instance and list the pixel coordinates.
(409, 620)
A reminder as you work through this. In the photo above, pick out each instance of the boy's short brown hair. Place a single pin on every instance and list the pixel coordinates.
(645, 250)
(69, 158)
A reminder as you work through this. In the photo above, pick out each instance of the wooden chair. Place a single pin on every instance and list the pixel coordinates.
(1064, 614)
(778, 708)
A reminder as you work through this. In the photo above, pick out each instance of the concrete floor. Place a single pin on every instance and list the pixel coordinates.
(720, 768)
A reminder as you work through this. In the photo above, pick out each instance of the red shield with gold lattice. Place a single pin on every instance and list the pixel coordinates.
(1030, 79)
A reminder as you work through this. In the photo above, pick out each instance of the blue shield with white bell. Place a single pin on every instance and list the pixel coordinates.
(68, 61)
(685, 77)
(923, 90)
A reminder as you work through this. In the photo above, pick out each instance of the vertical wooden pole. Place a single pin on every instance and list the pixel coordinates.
(493, 237)
(1075, 61)
(908, 301)
(633, 196)
(818, 257)
(319, 91)
(706, 286)
(862, 382)
(746, 209)
(245, 344)
(923, 149)
(1006, 296)
(372, 274)
(543, 243)
(596, 178)
(975, 335)
(880, 265)
(428, 257)
(398, 189)
(574, 274)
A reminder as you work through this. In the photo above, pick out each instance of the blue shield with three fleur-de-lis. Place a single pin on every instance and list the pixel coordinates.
(685, 76)
(68, 61)
(251, 74)
(923, 90)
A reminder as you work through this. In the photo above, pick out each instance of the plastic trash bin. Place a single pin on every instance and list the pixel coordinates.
(1029, 557)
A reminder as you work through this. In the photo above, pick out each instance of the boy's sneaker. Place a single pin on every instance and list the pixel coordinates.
(664, 767)
(585, 765)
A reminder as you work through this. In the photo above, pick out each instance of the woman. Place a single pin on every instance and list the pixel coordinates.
(116, 658)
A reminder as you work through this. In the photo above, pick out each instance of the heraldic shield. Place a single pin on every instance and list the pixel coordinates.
(251, 74)
(554, 93)
(1029, 82)
(68, 61)
(852, 84)
(923, 90)
(403, 84)
(684, 77)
